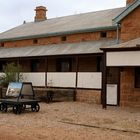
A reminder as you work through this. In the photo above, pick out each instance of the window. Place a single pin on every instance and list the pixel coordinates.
(137, 77)
(63, 65)
(63, 38)
(34, 65)
(103, 34)
(35, 41)
(2, 44)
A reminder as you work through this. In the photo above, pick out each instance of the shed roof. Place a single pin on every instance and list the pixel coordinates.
(90, 47)
(79, 23)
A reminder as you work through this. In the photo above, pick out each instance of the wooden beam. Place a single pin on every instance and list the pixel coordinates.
(76, 82)
(18, 65)
(46, 70)
(104, 82)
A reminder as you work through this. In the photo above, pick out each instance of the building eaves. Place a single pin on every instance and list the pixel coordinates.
(88, 30)
(79, 48)
(126, 46)
(128, 10)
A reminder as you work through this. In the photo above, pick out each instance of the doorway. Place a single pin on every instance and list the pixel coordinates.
(113, 86)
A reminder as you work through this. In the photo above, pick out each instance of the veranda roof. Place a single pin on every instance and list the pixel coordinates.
(56, 49)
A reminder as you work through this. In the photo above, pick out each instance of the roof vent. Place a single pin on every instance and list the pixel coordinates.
(40, 13)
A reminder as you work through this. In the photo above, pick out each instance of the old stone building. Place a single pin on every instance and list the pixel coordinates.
(77, 52)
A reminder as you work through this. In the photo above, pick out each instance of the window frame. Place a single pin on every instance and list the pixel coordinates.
(103, 34)
(2, 44)
(59, 63)
(34, 65)
(64, 38)
(35, 41)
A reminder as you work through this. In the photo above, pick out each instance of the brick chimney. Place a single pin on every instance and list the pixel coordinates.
(40, 13)
(128, 2)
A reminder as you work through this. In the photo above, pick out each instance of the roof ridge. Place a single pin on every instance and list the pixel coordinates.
(64, 17)
(84, 22)
(98, 11)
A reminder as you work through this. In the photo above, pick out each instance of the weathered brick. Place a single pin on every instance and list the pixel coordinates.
(129, 95)
(57, 39)
(130, 26)
(89, 96)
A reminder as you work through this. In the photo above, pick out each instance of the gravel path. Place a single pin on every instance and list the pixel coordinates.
(71, 121)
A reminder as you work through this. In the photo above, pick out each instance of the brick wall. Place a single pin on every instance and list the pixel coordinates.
(89, 96)
(130, 26)
(129, 95)
(57, 39)
(40, 13)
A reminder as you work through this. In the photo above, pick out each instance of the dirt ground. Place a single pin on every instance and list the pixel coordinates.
(71, 121)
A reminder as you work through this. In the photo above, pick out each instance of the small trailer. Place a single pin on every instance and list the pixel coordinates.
(19, 96)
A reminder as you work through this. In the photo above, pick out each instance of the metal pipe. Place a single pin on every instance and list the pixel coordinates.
(118, 27)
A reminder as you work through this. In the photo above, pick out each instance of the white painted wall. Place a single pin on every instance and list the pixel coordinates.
(60, 79)
(111, 94)
(127, 58)
(64, 79)
(37, 79)
(90, 80)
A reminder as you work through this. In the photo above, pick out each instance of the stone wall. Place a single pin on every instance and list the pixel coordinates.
(129, 95)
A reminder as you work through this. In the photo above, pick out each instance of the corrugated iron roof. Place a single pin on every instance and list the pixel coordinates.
(129, 44)
(126, 11)
(56, 49)
(69, 24)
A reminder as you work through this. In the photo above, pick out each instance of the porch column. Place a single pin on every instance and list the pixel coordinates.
(46, 70)
(76, 83)
(104, 81)
(18, 64)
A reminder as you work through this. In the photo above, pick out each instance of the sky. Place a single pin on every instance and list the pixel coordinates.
(14, 12)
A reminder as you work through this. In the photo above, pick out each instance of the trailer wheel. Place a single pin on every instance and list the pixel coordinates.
(23, 107)
(3, 107)
(17, 109)
(35, 107)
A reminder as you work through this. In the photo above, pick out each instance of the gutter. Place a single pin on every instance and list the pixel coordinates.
(109, 28)
(118, 36)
